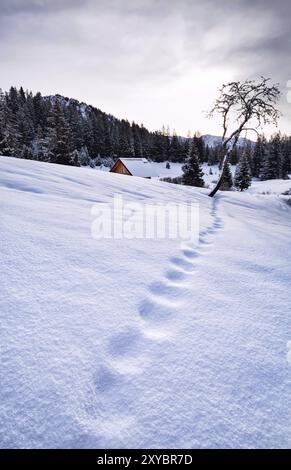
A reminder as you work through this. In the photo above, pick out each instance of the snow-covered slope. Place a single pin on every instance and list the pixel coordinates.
(141, 343)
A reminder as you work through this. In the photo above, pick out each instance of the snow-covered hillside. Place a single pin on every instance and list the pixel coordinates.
(141, 343)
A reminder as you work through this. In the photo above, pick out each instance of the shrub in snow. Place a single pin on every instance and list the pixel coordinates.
(176, 180)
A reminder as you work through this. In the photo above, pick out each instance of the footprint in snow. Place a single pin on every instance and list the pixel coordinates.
(155, 312)
(189, 253)
(124, 343)
(124, 349)
(162, 289)
(183, 264)
(175, 275)
(105, 380)
(204, 241)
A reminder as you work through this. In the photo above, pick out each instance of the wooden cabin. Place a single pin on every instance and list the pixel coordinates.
(134, 167)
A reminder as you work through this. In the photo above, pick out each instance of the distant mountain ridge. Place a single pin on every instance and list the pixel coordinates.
(213, 141)
(85, 109)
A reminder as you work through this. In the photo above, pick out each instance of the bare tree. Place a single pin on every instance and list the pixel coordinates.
(244, 106)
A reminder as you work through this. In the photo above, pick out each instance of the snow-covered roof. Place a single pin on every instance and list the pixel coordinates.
(139, 167)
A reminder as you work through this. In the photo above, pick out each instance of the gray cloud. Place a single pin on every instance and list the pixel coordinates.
(14, 7)
(141, 59)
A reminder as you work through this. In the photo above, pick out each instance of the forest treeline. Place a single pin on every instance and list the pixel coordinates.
(61, 130)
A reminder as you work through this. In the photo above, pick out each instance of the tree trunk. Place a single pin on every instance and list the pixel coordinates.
(219, 182)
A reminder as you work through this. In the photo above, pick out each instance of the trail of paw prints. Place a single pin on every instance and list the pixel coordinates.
(129, 352)
(158, 309)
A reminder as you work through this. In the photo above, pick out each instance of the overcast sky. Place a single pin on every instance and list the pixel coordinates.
(153, 61)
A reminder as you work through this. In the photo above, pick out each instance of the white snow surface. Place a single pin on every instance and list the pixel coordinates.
(141, 343)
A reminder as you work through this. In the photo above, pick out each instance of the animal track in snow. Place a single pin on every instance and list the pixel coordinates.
(128, 351)
(183, 264)
(105, 380)
(156, 311)
(123, 351)
(164, 296)
(163, 289)
(124, 343)
(175, 275)
(190, 253)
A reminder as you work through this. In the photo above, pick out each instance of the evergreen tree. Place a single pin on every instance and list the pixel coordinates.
(271, 168)
(248, 153)
(10, 144)
(158, 147)
(199, 143)
(227, 182)
(175, 154)
(137, 145)
(84, 157)
(60, 139)
(286, 166)
(187, 146)
(192, 171)
(234, 156)
(259, 155)
(243, 177)
(26, 153)
(40, 146)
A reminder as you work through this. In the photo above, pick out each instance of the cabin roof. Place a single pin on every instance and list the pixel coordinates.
(139, 167)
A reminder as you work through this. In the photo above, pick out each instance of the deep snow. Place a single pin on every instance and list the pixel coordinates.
(141, 343)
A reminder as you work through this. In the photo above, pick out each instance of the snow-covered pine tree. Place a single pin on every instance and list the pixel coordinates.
(158, 147)
(26, 153)
(284, 163)
(186, 146)
(287, 156)
(60, 140)
(199, 143)
(243, 177)
(10, 144)
(175, 149)
(137, 146)
(259, 155)
(40, 146)
(108, 140)
(84, 157)
(192, 171)
(271, 167)
(234, 156)
(247, 151)
(227, 182)
(74, 158)
(2, 118)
